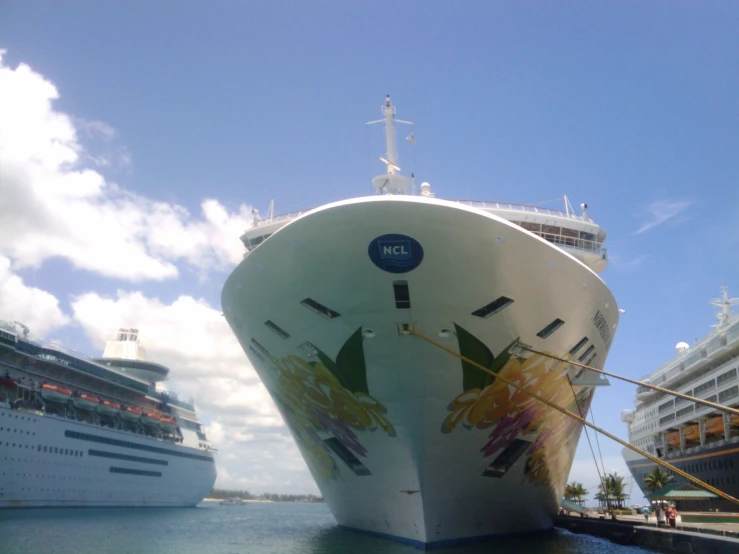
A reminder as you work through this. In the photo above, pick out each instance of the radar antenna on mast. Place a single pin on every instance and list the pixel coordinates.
(725, 303)
(392, 182)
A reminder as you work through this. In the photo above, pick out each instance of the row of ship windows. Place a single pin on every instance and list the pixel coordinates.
(722, 397)
(33, 434)
(47, 449)
(10, 416)
(718, 481)
(709, 466)
(644, 428)
(704, 387)
(73, 490)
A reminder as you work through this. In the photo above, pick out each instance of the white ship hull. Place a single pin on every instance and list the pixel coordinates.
(50, 461)
(420, 428)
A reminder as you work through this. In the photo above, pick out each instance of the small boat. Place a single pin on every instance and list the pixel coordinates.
(232, 502)
(734, 419)
(131, 413)
(168, 423)
(85, 401)
(150, 418)
(55, 393)
(673, 438)
(692, 432)
(106, 407)
(715, 425)
(7, 382)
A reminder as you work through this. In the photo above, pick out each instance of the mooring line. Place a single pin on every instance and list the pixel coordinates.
(720, 407)
(583, 421)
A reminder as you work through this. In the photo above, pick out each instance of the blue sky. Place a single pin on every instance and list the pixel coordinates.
(628, 106)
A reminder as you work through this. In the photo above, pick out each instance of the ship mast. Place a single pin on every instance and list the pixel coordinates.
(725, 303)
(391, 182)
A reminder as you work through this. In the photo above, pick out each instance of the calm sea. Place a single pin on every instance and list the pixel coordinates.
(252, 528)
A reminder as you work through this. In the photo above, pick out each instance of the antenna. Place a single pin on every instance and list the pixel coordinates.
(725, 303)
(392, 182)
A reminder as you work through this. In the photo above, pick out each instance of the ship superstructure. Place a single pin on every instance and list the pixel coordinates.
(698, 439)
(403, 439)
(80, 432)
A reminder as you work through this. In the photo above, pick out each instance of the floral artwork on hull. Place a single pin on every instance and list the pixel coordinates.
(509, 413)
(323, 398)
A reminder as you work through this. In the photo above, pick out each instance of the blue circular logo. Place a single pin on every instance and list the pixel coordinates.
(395, 253)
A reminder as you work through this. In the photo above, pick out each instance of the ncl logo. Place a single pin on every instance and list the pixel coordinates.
(396, 253)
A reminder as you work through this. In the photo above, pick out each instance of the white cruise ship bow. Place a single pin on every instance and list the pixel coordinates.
(403, 439)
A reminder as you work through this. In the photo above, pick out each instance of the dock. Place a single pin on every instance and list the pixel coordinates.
(632, 530)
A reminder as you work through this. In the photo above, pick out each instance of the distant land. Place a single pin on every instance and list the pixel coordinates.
(224, 494)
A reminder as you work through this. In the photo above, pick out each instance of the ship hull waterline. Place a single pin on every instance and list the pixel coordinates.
(403, 439)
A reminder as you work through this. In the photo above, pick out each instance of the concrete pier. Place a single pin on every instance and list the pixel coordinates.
(705, 541)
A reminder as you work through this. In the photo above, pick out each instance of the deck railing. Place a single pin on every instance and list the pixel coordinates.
(580, 244)
(474, 203)
(523, 208)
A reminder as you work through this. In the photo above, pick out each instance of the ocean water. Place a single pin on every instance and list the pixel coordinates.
(253, 528)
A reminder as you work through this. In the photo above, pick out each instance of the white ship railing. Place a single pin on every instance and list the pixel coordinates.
(474, 203)
(523, 208)
(580, 244)
(281, 217)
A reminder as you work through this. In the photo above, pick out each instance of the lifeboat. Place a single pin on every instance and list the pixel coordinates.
(7, 382)
(85, 401)
(673, 438)
(168, 423)
(151, 418)
(106, 407)
(715, 425)
(55, 393)
(131, 413)
(692, 432)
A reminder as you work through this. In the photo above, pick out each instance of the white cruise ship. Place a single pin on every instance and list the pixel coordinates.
(696, 438)
(402, 438)
(77, 432)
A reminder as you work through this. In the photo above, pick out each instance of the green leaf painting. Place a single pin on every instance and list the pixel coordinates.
(474, 349)
(349, 368)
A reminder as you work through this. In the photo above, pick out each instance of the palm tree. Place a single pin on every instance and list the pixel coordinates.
(613, 488)
(577, 492)
(657, 478)
(616, 488)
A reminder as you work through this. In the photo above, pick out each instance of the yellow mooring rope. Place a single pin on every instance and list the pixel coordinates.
(719, 407)
(583, 421)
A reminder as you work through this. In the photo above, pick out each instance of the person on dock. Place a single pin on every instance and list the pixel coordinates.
(645, 511)
(672, 516)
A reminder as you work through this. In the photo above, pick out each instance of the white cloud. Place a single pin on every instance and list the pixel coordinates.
(207, 363)
(54, 206)
(33, 307)
(662, 211)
